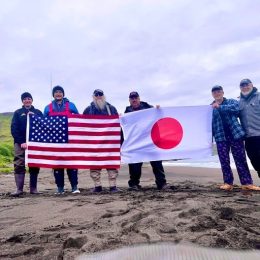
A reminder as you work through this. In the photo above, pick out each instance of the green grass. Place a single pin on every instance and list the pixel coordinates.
(6, 143)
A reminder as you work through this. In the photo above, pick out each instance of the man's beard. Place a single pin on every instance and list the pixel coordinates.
(100, 103)
(245, 93)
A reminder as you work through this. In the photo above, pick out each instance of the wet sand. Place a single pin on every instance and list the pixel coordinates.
(195, 211)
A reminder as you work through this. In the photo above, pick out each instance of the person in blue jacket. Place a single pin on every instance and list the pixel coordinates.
(62, 106)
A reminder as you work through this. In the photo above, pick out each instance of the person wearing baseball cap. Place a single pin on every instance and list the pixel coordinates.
(61, 106)
(229, 135)
(135, 169)
(18, 131)
(99, 106)
(249, 106)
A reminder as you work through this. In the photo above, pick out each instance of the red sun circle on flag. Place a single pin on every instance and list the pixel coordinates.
(167, 133)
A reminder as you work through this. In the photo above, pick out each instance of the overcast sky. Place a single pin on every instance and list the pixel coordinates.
(171, 51)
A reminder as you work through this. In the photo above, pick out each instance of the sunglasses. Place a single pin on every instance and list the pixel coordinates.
(244, 85)
(98, 94)
(134, 96)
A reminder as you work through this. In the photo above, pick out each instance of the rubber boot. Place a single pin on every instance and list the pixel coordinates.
(19, 181)
(33, 183)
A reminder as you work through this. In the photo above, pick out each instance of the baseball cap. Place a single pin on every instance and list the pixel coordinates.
(245, 82)
(216, 87)
(133, 94)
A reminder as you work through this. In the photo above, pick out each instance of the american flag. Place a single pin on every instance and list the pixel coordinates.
(76, 141)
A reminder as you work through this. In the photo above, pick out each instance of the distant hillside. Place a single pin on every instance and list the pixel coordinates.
(6, 142)
(5, 122)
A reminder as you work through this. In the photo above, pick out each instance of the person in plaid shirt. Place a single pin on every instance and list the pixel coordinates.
(228, 134)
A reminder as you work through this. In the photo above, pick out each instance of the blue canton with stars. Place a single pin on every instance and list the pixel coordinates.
(49, 129)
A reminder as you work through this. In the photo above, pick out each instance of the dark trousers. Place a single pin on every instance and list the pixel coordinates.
(19, 161)
(135, 171)
(59, 177)
(252, 145)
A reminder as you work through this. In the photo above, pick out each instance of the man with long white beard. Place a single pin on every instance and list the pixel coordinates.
(99, 106)
(249, 106)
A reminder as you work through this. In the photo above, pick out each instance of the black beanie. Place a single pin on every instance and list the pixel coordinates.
(25, 95)
(58, 88)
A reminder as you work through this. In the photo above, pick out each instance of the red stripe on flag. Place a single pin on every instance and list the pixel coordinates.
(94, 117)
(95, 142)
(93, 125)
(71, 158)
(94, 133)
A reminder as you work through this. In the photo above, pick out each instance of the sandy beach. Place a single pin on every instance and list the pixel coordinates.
(195, 211)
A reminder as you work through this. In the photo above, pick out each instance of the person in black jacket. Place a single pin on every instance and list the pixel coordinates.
(18, 130)
(135, 169)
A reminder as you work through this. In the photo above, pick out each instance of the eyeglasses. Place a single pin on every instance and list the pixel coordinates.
(98, 94)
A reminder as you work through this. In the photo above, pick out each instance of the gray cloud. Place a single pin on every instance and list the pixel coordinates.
(171, 52)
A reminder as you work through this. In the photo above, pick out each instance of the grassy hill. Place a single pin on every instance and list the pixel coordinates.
(6, 143)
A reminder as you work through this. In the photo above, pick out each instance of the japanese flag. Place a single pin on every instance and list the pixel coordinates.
(166, 133)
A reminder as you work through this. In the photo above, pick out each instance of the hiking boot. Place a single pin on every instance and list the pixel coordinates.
(164, 187)
(250, 187)
(135, 187)
(226, 186)
(97, 189)
(114, 189)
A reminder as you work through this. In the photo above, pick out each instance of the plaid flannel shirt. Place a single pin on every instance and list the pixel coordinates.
(229, 109)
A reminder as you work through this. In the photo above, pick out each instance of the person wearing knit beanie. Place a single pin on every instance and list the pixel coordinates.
(61, 106)
(56, 88)
(26, 95)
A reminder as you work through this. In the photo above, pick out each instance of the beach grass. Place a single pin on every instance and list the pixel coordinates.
(6, 143)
